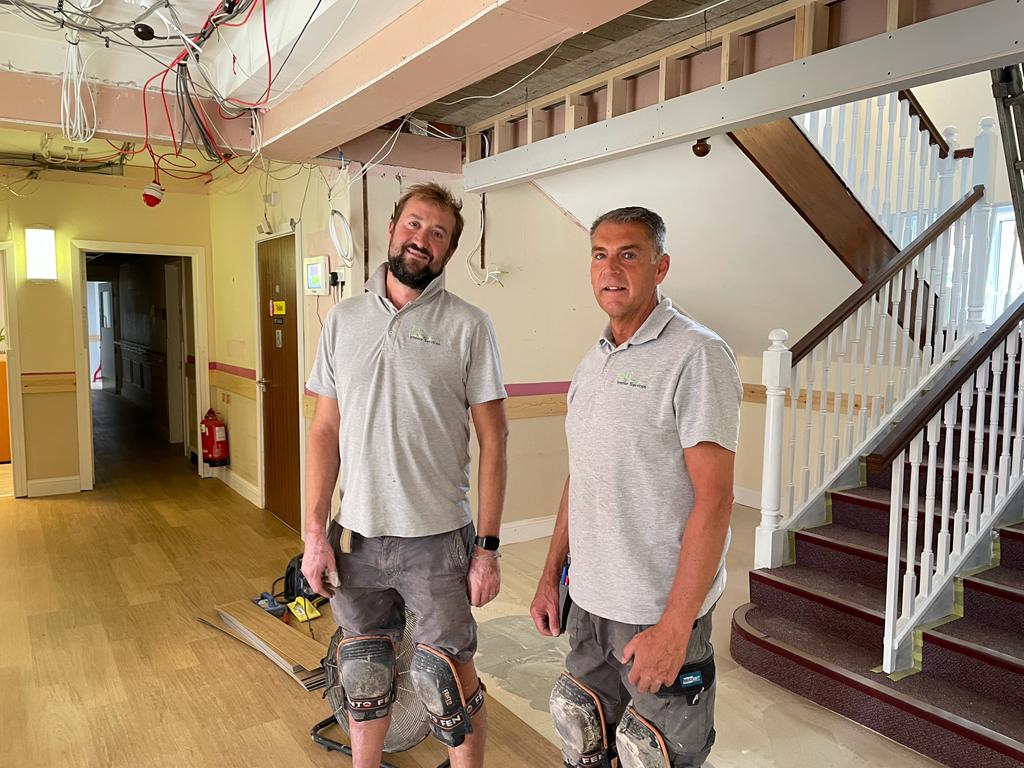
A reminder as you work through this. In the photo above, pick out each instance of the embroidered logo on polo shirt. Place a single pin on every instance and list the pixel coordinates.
(629, 380)
(421, 335)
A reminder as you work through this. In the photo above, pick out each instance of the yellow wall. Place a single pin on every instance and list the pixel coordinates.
(78, 207)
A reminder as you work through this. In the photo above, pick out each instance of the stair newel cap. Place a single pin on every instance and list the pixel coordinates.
(777, 361)
(952, 136)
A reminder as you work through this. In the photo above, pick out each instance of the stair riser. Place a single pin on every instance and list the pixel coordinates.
(1011, 550)
(993, 609)
(852, 565)
(864, 518)
(807, 609)
(972, 673)
(943, 743)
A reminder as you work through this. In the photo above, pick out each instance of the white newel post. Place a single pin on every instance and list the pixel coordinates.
(983, 173)
(770, 539)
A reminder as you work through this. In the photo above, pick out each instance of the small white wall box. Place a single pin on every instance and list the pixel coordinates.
(317, 277)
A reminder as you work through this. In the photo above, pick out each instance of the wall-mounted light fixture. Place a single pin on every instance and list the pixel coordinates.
(40, 253)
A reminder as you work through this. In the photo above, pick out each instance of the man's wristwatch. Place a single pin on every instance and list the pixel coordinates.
(488, 542)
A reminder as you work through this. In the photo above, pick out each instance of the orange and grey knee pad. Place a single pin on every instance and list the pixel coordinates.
(579, 722)
(437, 684)
(368, 676)
(639, 743)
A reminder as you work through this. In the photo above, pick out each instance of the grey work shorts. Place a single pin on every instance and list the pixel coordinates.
(383, 575)
(595, 651)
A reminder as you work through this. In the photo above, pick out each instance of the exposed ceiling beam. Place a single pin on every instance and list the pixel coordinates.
(435, 48)
(960, 43)
(33, 101)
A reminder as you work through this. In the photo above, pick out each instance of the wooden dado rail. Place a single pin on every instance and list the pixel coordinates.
(47, 382)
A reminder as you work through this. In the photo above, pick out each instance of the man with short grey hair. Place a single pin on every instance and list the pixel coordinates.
(652, 427)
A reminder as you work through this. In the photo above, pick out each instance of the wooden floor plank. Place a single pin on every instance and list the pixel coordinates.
(94, 675)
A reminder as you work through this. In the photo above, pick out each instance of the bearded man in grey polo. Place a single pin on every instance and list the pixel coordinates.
(397, 374)
(652, 427)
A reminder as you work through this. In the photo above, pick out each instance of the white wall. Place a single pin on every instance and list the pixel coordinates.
(743, 261)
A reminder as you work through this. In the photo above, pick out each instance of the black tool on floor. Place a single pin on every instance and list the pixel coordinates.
(316, 732)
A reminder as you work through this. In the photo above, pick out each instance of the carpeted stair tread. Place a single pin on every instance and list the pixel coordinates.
(831, 585)
(844, 534)
(1002, 717)
(1003, 576)
(986, 636)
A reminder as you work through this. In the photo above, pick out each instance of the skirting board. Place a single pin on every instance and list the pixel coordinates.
(748, 497)
(54, 486)
(532, 528)
(238, 484)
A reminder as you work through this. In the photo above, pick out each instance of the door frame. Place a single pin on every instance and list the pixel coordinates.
(296, 233)
(179, 386)
(15, 405)
(200, 309)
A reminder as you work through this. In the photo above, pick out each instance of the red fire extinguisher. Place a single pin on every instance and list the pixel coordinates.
(215, 440)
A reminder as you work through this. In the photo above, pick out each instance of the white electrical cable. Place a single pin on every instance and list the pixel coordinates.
(284, 91)
(345, 254)
(506, 90)
(76, 121)
(373, 162)
(491, 275)
(685, 16)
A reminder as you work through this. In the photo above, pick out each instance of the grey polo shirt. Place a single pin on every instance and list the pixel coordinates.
(404, 381)
(632, 411)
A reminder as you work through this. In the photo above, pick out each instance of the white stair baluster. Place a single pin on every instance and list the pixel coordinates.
(927, 555)
(840, 158)
(902, 108)
(909, 579)
(949, 414)
(1004, 459)
(853, 403)
(867, 401)
(1018, 432)
(877, 183)
(851, 166)
(993, 430)
(960, 520)
(794, 410)
(810, 376)
(909, 224)
(865, 154)
(826, 136)
(891, 392)
(974, 509)
(888, 205)
(823, 410)
(909, 280)
(892, 580)
(838, 414)
(878, 402)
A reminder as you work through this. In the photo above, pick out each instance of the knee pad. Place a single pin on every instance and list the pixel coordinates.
(368, 676)
(437, 684)
(579, 722)
(639, 743)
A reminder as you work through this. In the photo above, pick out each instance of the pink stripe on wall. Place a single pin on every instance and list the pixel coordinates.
(537, 388)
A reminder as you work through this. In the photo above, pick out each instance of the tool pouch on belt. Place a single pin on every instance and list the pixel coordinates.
(692, 681)
(564, 598)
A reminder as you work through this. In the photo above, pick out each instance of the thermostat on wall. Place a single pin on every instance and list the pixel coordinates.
(315, 269)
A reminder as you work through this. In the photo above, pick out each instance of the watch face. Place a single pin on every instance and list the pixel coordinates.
(487, 542)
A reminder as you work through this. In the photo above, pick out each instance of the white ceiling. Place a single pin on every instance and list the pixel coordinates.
(740, 253)
(26, 48)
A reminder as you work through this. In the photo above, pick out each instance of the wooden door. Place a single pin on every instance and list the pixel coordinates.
(279, 381)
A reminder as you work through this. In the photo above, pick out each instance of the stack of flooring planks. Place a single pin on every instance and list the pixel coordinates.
(290, 648)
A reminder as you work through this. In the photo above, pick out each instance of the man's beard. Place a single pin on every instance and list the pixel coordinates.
(417, 279)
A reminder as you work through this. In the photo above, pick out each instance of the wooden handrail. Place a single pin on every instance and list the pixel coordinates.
(947, 385)
(835, 318)
(934, 134)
